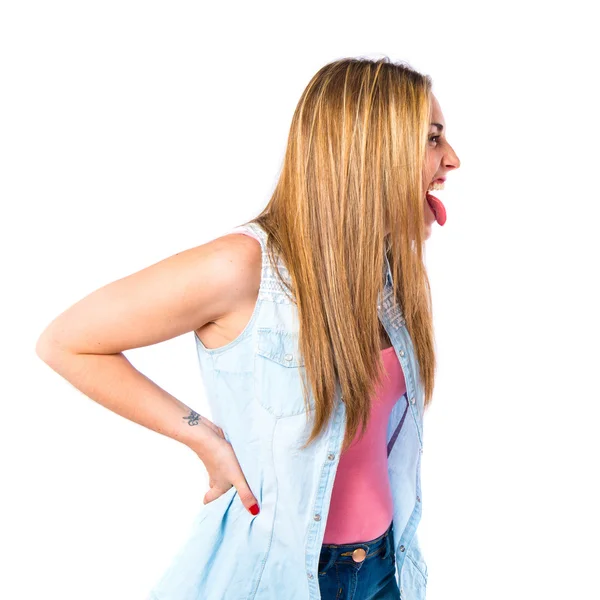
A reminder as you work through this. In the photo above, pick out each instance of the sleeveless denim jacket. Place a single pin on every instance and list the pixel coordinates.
(254, 390)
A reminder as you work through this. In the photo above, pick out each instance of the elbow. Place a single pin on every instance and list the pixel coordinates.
(47, 346)
(43, 348)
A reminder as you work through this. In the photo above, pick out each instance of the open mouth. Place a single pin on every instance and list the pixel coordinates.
(436, 205)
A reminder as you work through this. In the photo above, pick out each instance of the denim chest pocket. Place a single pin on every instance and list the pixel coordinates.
(278, 372)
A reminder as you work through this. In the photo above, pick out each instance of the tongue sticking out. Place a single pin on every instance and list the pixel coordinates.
(439, 210)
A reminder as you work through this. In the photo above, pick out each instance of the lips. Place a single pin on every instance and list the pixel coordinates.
(437, 207)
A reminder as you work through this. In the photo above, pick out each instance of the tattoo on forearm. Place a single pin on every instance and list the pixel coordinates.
(193, 418)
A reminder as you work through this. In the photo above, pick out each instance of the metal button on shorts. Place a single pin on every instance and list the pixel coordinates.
(359, 555)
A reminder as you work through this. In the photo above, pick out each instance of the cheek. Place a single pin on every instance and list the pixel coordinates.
(430, 170)
(432, 166)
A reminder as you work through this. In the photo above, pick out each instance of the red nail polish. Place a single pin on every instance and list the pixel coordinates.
(254, 509)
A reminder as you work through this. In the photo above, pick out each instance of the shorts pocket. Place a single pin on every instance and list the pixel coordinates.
(278, 372)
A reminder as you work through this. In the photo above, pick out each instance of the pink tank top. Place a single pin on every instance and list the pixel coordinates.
(361, 506)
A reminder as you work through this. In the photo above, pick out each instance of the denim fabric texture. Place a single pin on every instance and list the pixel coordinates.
(254, 390)
(360, 571)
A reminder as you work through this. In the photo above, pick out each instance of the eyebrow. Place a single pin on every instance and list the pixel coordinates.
(439, 126)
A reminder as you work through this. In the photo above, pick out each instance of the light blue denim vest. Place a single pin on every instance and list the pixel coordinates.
(254, 391)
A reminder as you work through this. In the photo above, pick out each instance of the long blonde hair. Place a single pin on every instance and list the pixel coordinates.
(352, 168)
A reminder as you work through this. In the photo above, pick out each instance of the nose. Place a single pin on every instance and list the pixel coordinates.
(451, 160)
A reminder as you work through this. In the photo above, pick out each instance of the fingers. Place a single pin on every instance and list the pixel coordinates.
(247, 497)
(213, 494)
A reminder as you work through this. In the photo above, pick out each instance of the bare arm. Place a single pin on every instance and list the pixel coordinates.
(84, 344)
(111, 380)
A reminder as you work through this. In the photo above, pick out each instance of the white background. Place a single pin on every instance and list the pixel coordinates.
(133, 130)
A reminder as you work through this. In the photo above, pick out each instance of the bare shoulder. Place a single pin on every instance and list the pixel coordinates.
(236, 271)
(242, 259)
(241, 256)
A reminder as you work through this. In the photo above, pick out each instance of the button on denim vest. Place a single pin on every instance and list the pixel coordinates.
(254, 390)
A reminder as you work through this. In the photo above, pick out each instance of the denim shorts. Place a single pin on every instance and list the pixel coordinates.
(359, 571)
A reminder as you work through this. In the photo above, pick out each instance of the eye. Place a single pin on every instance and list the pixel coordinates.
(434, 137)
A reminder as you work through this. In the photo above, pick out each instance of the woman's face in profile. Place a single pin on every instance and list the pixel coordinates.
(439, 159)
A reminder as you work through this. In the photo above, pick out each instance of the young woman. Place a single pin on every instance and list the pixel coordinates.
(313, 325)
